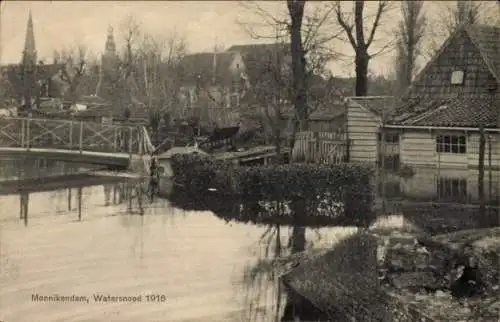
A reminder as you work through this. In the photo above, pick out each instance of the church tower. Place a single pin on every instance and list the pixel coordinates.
(29, 63)
(108, 76)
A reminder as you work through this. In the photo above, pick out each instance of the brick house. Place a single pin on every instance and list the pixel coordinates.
(434, 127)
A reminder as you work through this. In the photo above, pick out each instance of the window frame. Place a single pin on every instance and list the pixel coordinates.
(451, 143)
(462, 82)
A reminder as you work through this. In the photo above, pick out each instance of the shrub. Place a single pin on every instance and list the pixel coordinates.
(317, 186)
(308, 189)
(197, 173)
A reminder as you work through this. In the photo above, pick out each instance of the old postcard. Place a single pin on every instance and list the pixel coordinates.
(168, 161)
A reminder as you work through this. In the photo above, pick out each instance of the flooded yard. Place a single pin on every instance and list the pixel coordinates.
(182, 265)
(102, 251)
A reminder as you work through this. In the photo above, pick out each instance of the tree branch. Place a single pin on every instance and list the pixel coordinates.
(348, 28)
(382, 6)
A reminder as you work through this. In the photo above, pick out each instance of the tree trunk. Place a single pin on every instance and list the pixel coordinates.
(296, 11)
(362, 60)
(480, 180)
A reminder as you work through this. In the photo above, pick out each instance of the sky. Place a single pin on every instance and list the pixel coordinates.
(60, 24)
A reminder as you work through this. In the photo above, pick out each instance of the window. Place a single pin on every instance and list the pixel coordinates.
(452, 189)
(457, 77)
(451, 144)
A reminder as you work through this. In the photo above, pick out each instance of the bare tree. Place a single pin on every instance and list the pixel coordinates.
(149, 66)
(307, 31)
(458, 13)
(355, 31)
(410, 34)
(73, 63)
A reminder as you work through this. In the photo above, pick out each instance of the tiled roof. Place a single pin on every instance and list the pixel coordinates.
(487, 40)
(382, 106)
(452, 112)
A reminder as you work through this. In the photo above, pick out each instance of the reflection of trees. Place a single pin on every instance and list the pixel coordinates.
(262, 277)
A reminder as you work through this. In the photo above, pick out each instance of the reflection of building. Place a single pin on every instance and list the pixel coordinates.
(31, 81)
(434, 127)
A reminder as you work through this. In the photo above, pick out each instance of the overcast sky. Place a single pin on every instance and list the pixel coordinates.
(58, 24)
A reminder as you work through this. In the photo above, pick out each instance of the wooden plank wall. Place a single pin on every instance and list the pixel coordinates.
(418, 148)
(320, 147)
(362, 129)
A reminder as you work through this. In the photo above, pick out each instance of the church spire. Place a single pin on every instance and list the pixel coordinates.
(110, 42)
(29, 52)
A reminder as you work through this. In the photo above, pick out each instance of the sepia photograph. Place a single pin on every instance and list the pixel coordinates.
(250, 161)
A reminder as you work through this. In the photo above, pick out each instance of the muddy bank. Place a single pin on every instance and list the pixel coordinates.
(418, 277)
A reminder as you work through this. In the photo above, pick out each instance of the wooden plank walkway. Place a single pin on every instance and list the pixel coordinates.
(254, 153)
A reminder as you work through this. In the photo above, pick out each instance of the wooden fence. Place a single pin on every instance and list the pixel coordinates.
(320, 147)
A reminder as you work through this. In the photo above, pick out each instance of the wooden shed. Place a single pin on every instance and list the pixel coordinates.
(365, 116)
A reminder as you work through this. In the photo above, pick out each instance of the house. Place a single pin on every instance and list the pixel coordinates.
(434, 128)
(210, 85)
(267, 68)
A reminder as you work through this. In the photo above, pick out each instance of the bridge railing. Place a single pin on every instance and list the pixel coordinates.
(71, 135)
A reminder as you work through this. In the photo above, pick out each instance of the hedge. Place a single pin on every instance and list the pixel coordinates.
(340, 194)
(197, 173)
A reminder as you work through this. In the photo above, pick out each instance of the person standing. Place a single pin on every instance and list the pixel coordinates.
(154, 177)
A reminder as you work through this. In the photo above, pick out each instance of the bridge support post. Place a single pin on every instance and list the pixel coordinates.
(81, 138)
(130, 142)
(115, 139)
(71, 135)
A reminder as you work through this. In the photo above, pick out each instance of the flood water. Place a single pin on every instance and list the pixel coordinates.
(92, 240)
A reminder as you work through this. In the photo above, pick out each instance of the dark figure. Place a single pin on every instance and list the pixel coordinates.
(154, 178)
(468, 284)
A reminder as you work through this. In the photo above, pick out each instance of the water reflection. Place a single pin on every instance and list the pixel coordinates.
(94, 239)
(110, 237)
(32, 168)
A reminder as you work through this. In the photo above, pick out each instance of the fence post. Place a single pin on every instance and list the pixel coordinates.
(115, 139)
(130, 141)
(140, 141)
(23, 129)
(81, 137)
(28, 134)
(71, 135)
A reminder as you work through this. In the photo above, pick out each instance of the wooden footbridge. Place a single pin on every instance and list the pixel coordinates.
(112, 145)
